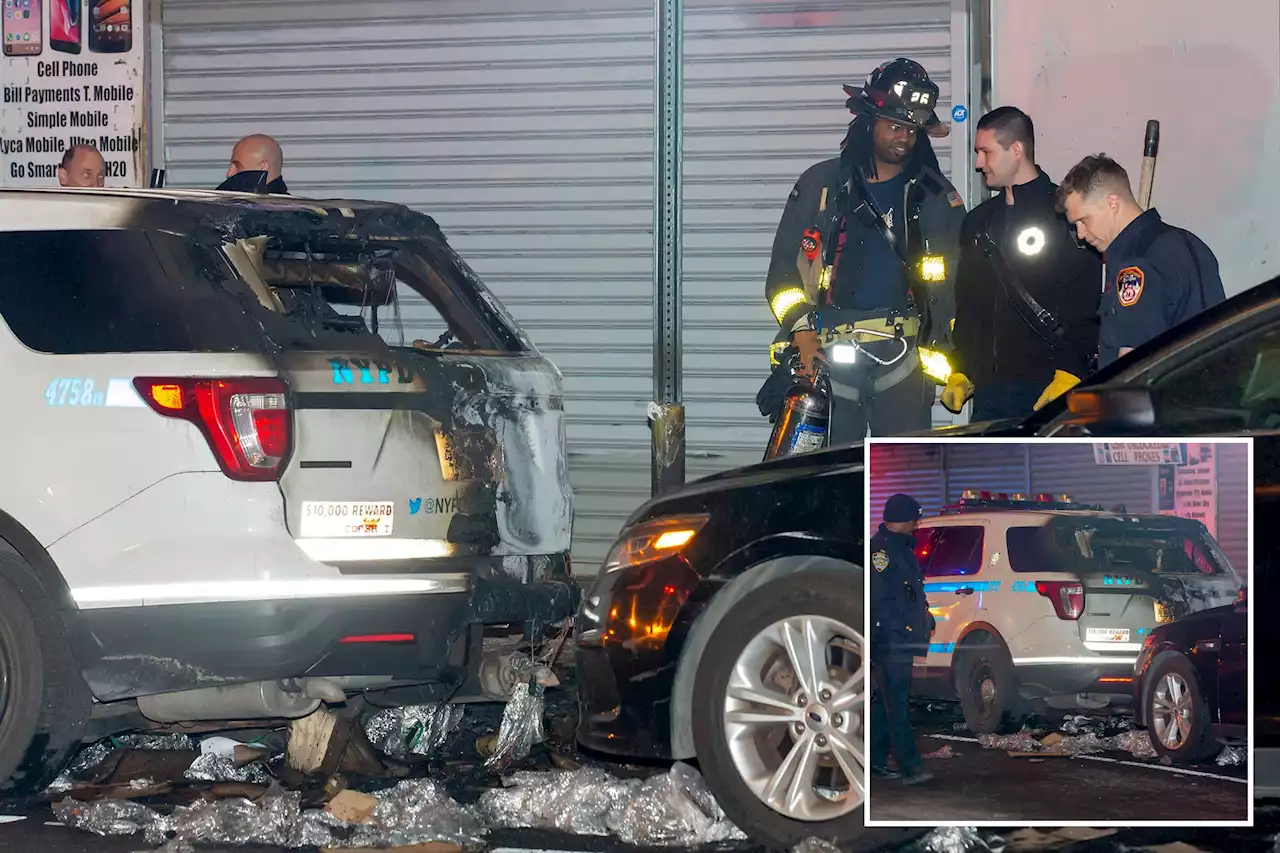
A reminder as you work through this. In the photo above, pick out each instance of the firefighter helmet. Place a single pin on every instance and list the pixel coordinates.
(899, 90)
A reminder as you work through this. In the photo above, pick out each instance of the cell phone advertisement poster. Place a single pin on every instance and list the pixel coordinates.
(72, 73)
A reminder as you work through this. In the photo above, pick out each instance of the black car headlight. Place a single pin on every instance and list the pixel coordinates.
(652, 540)
(635, 579)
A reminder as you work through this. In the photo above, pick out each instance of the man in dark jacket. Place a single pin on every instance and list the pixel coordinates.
(256, 163)
(1026, 293)
(901, 625)
(864, 256)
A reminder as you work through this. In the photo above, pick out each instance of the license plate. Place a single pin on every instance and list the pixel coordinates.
(1162, 613)
(1108, 635)
(331, 519)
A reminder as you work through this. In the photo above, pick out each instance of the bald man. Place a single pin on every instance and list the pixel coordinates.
(82, 166)
(256, 163)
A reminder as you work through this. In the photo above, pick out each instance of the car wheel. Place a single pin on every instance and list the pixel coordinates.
(44, 702)
(987, 686)
(1177, 717)
(778, 713)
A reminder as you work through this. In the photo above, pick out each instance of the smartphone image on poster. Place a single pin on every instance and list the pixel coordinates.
(23, 28)
(64, 25)
(110, 25)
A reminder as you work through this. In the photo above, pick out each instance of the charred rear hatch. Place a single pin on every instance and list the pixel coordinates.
(429, 429)
(1137, 572)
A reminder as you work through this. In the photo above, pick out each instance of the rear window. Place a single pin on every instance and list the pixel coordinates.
(1086, 549)
(949, 551)
(68, 292)
(417, 294)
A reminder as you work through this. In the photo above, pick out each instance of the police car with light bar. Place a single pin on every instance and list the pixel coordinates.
(1045, 601)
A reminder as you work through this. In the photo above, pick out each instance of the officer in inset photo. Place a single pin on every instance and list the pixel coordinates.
(863, 261)
(901, 626)
(1158, 275)
(1026, 291)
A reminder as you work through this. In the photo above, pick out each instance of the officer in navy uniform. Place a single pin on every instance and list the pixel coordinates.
(901, 625)
(865, 254)
(1157, 275)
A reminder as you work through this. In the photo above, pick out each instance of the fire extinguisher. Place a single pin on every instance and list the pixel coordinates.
(804, 417)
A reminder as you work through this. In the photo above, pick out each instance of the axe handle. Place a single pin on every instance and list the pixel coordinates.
(1150, 150)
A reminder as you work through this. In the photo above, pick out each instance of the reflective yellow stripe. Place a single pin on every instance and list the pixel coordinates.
(935, 364)
(775, 353)
(785, 300)
(933, 268)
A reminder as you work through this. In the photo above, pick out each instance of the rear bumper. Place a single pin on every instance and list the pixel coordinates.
(1111, 678)
(133, 651)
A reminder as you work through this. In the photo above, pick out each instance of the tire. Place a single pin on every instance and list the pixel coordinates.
(984, 668)
(1197, 743)
(44, 703)
(831, 594)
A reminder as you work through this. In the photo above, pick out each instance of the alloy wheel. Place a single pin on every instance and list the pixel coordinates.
(794, 717)
(1171, 711)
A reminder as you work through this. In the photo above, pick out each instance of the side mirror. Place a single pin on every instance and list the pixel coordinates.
(1124, 408)
(1242, 599)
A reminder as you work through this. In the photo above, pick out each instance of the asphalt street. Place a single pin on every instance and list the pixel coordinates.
(981, 785)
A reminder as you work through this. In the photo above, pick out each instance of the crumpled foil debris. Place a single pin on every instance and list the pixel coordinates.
(178, 742)
(957, 839)
(61, 785)
(521, 725)
(413, 729)
(1232, 756)
(1136, 743)
(815, 845)
(672, 809)
(415, 811)
(104, 817)
(90, 757)
(212, 767)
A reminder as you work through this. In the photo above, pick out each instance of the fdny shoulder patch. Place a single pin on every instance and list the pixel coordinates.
(953, 198)
(880, 559)
(1129, 283)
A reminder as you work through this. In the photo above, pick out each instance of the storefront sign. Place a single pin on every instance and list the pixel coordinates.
(1139, 453)
(72, 74)
(1195, 487)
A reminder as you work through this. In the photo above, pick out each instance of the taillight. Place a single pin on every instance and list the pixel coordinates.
(1067, 597)
(246, 421)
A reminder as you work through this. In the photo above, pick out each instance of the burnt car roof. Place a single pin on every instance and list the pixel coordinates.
(215, 214)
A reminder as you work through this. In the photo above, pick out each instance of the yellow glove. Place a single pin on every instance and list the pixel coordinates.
(1061, 384)
(957, 392)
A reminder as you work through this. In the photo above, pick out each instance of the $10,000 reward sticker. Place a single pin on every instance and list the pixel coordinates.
(333, 519)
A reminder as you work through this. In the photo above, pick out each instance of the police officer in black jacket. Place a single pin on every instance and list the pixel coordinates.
(1026, 292)
(901, 625)
(1158, 275)
(864, 258)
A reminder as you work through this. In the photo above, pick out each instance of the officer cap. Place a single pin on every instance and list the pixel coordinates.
(899, 90)
(900, 509)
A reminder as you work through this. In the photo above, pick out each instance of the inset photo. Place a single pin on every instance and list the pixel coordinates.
(1059, 631)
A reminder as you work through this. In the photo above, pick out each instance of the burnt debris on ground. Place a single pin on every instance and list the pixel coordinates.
(1066, 735)
(363, 777)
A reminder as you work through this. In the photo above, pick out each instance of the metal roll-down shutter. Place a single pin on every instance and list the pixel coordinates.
(525, 127)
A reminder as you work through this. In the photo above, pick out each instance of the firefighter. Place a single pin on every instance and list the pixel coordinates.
(1157, 275)
(1026, 292)
(862, 269)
